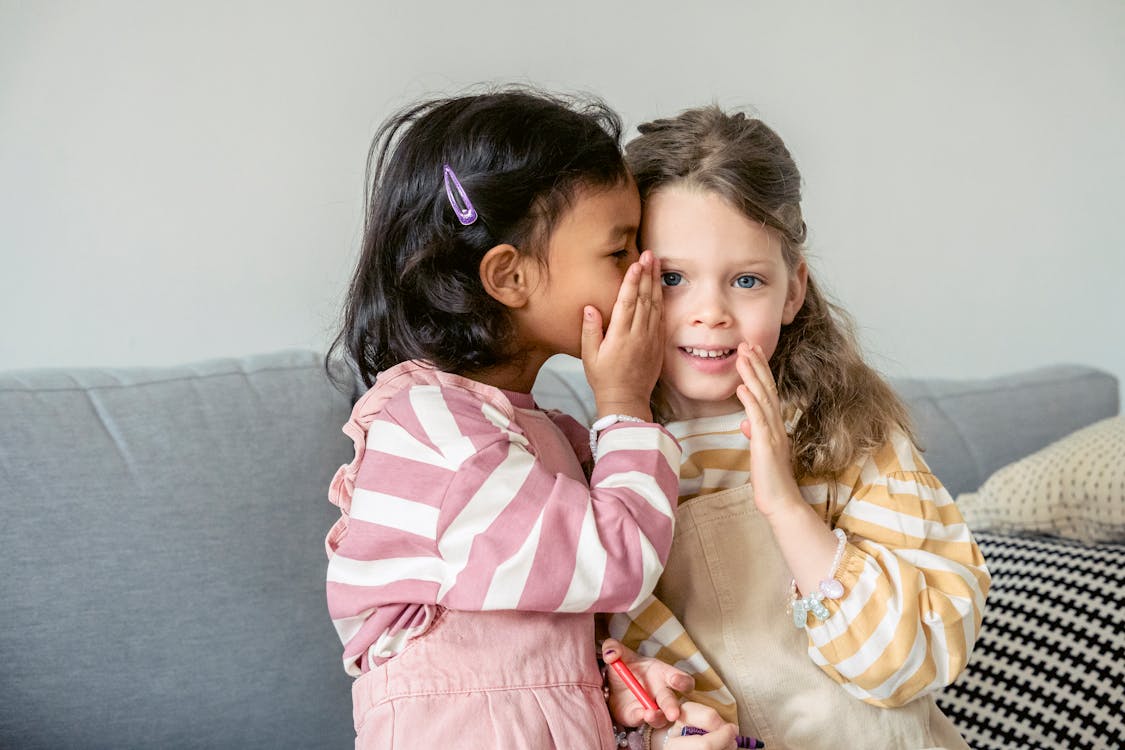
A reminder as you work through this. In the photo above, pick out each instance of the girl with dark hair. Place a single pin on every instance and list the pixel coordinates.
(478, 534)
(799, 479)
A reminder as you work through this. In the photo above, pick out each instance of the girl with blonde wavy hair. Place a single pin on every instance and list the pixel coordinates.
(824, 572)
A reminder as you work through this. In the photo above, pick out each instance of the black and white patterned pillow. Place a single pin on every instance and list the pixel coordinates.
(1049, 668)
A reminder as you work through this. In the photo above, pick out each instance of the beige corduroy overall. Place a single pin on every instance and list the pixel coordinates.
(728, 584)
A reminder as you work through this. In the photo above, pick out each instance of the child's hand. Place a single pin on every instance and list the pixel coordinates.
(622, 366)
(659, 679)
(720, 735)
(771, 468)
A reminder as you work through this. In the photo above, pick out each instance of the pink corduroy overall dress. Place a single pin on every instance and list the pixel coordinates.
(488, 680)
(506, 679)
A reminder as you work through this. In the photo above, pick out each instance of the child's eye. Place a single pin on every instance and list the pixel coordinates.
(671, 278)
(746, 281)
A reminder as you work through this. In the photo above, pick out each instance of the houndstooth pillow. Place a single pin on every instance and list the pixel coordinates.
(1073, 488)
(1049, 666)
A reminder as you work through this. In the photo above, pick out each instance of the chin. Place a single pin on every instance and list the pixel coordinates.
(704, 402)
(707, 392)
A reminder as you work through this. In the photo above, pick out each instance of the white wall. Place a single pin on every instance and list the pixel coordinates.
(184, 180)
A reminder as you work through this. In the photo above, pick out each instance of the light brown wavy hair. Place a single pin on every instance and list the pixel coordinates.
(848, 409)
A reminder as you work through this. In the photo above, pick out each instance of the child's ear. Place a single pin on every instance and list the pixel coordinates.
(795, 295)
(508, 276)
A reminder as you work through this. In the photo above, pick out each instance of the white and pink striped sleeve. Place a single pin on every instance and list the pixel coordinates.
(452, 507)
(515, 535)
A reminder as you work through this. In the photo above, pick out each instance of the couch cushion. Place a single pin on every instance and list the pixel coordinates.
(1074, 488)
(162, 572)
(1049, 667)
(971, 428)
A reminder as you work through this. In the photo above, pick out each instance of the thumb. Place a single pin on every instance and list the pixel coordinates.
(611, 650)
(591, 334)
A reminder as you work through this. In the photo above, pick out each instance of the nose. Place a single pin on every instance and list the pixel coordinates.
(709, 309)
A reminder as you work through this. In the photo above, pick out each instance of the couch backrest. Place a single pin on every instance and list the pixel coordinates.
(968, 428)
(162, 560)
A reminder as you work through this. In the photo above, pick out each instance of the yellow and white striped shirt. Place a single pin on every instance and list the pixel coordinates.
(915, 580)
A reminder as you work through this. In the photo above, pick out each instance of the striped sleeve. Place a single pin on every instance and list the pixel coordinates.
(915, 584)
(652, 630)
(452, 508)
(513, 535)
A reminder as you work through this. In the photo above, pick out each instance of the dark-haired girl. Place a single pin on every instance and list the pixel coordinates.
(473, 548)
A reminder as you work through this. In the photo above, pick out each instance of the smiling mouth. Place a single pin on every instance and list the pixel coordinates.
(707, 353)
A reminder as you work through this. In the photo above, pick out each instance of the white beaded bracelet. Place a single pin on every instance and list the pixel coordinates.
(604, 422)
(829, 588)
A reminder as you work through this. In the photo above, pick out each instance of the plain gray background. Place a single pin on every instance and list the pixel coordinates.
(184, 180)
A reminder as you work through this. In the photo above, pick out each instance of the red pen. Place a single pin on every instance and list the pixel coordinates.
(635, 687)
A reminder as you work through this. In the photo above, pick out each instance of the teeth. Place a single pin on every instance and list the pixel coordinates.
(708, 353)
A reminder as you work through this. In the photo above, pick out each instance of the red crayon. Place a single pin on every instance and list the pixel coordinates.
(635, 687)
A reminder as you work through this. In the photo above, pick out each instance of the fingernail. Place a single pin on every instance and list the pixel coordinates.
(589, 313)
(610, 652)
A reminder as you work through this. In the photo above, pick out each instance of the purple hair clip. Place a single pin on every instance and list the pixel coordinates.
(466, 214)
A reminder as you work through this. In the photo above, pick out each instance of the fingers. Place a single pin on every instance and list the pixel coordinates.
(621, 319)
(640, 300)
(612, 650)
(623, 705)
(704, 717)
(659, 679)
(759, 386)
(756, 374)
(760, 367)
(720, 739)
(665, 694)
(644, 290)
(719, 734)
(591, 334)
(669, 703)
(650, 297)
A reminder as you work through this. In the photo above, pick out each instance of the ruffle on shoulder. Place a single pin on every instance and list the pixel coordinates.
(363, 414)
(342, 487)
(388, 384)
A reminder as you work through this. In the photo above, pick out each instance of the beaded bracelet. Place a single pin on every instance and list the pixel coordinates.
(829, 588)
(603, 423)
(633, 738)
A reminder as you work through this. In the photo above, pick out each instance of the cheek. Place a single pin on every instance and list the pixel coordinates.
(600, 292)
(762, 329)
(670, 317)
(605, 286)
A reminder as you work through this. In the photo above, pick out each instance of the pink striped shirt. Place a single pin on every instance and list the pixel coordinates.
(468, 497)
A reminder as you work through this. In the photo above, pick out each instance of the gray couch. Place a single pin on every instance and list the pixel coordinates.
(161, 582)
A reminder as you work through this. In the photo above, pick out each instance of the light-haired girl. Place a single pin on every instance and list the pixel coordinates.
(472, 548)
(826, 575)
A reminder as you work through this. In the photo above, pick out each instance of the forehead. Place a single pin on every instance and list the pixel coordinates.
(686, 224)
(599, 210)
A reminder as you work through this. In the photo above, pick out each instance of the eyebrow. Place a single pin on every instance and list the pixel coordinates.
(741, 264)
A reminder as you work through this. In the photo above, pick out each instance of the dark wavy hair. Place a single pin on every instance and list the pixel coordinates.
(849, 410)
(416, 293)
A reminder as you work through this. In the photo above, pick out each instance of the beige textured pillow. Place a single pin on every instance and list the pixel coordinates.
(1073, 488)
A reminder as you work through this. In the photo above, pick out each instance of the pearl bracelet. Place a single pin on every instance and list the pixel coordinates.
(604, 422)
(829, 588)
